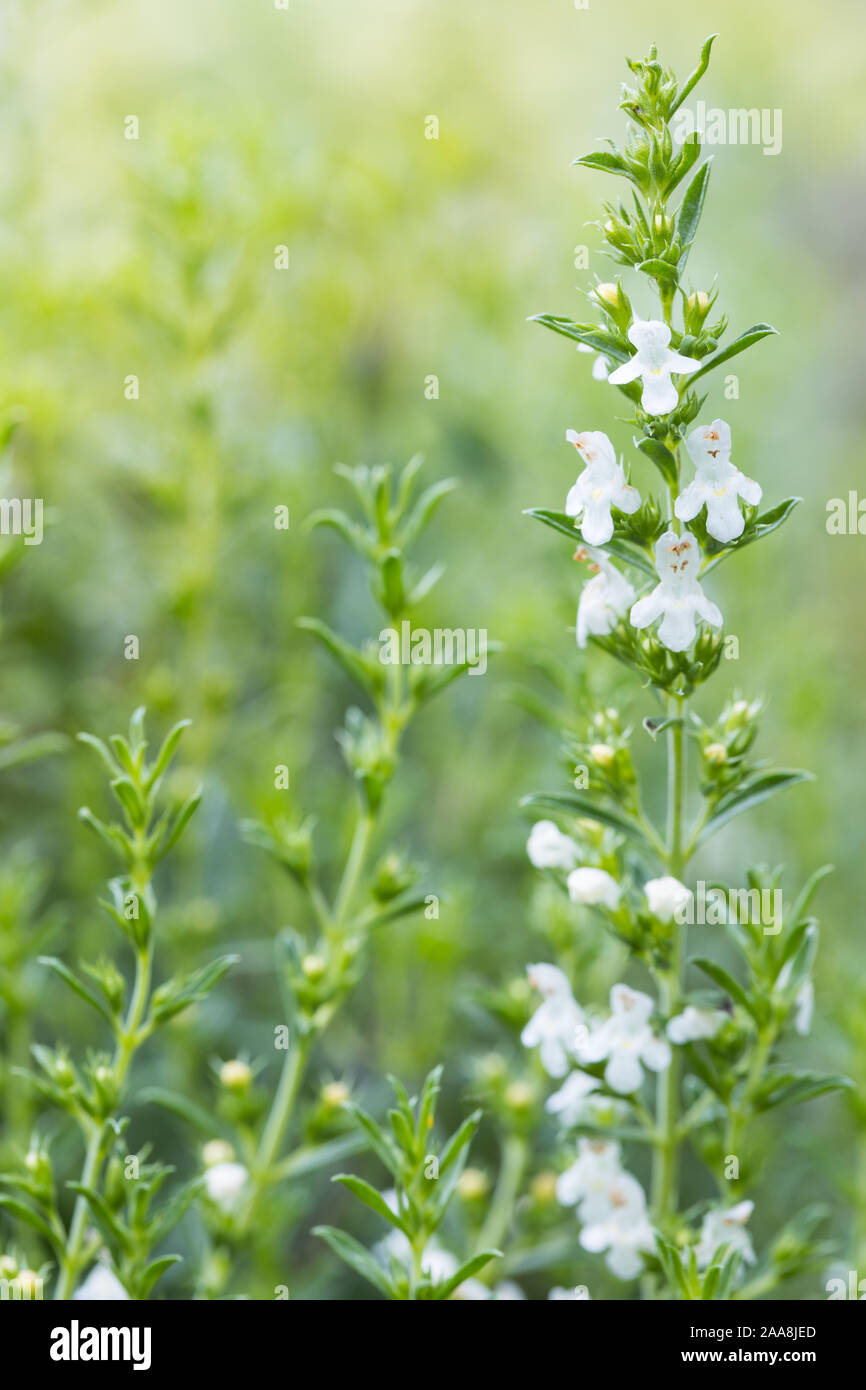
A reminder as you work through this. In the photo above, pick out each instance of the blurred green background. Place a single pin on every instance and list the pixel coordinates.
(409, 258)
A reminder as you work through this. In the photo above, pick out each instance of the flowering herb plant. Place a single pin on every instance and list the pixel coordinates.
(706, 1036)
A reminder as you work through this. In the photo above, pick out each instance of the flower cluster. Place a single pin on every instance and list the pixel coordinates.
(601, 489)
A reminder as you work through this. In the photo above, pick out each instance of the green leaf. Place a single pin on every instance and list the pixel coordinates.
(466, 1271)
(338, 521)
(315, 1156)
(28, 750)
(379, 1142)
(166, 753)
(750, 794)
(661, 457)
(690, 209)
(424, 509)
(690, 151)
(371, 1198)
(75, 984)
(622, 550)
(368, 674)
(462, 1136)
(578, 805)
(606, 162)
(171, 999)
(356, 1257)
(154, 1271)
(725, 980)
(745, 340)
(799, 1087)
(696, 76)
(179, 824)
(807, 892)
(588, 333)
(104, 1216)
(770, 521)
(655, 726)
(427, 1108)
(31, 1218)
(659, 270)
(196, 1115)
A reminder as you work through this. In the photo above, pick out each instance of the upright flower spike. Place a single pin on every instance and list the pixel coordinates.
(601, 485)
(653, 362)
(679, 598)
(626, 1041)
(604, 599)
(717, 484)
(554, 1025)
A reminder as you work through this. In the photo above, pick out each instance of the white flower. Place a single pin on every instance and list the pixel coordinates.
(596, 1167)
(555, 1022)
(571, 1102)
(693, 1024)
(666, 896)
(726, 1228)
(593, 887)
(716, 484)
(225, 1182)
(653, 362)
(548, 848)
(600, 366)
(627, 1041)
(604, 599)
(804, 1003)
(578, 1295)
(621, 1227)
(601, 485)
(679, 598)
(101, 1286)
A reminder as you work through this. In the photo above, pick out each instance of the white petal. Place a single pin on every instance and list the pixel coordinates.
(648, 608)
(724, 518)
(689, 502)
(629, 371)
(656, 1054)
(623, 1073)
(659, 394)
(597, 525)
(624, 1262)
(708, 610)
(677, 363)
(678, 629)
(749, 490)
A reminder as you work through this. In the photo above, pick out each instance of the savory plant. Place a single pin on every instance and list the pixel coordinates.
(712, 1052)
(112, 1228)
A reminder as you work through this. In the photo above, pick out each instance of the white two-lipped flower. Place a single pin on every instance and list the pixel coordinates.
(604, 599)
(717, 484)
(653, 362)
(611, 1206)
(548, 848)
(666, 897)
(224, 1183)
(593, 888)
(554, 1026)
(601, 485)
(727, 1227)
(695, 1025)
(679, 599)
(627, 1041)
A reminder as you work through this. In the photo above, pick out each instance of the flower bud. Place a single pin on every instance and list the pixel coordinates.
(602, 754)
(29, 1283)
(314, 967)
(217, 1151)
(542, 1188)
(716, 753)
(520, 1097)
(335, 1094)
(473, 1185)
(236, 1075)
(697, 307)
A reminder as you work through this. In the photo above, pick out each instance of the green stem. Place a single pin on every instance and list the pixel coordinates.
(354, 867)
(664, 1185)
(281, 1110)
(127, 1043)
(515, 1152)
